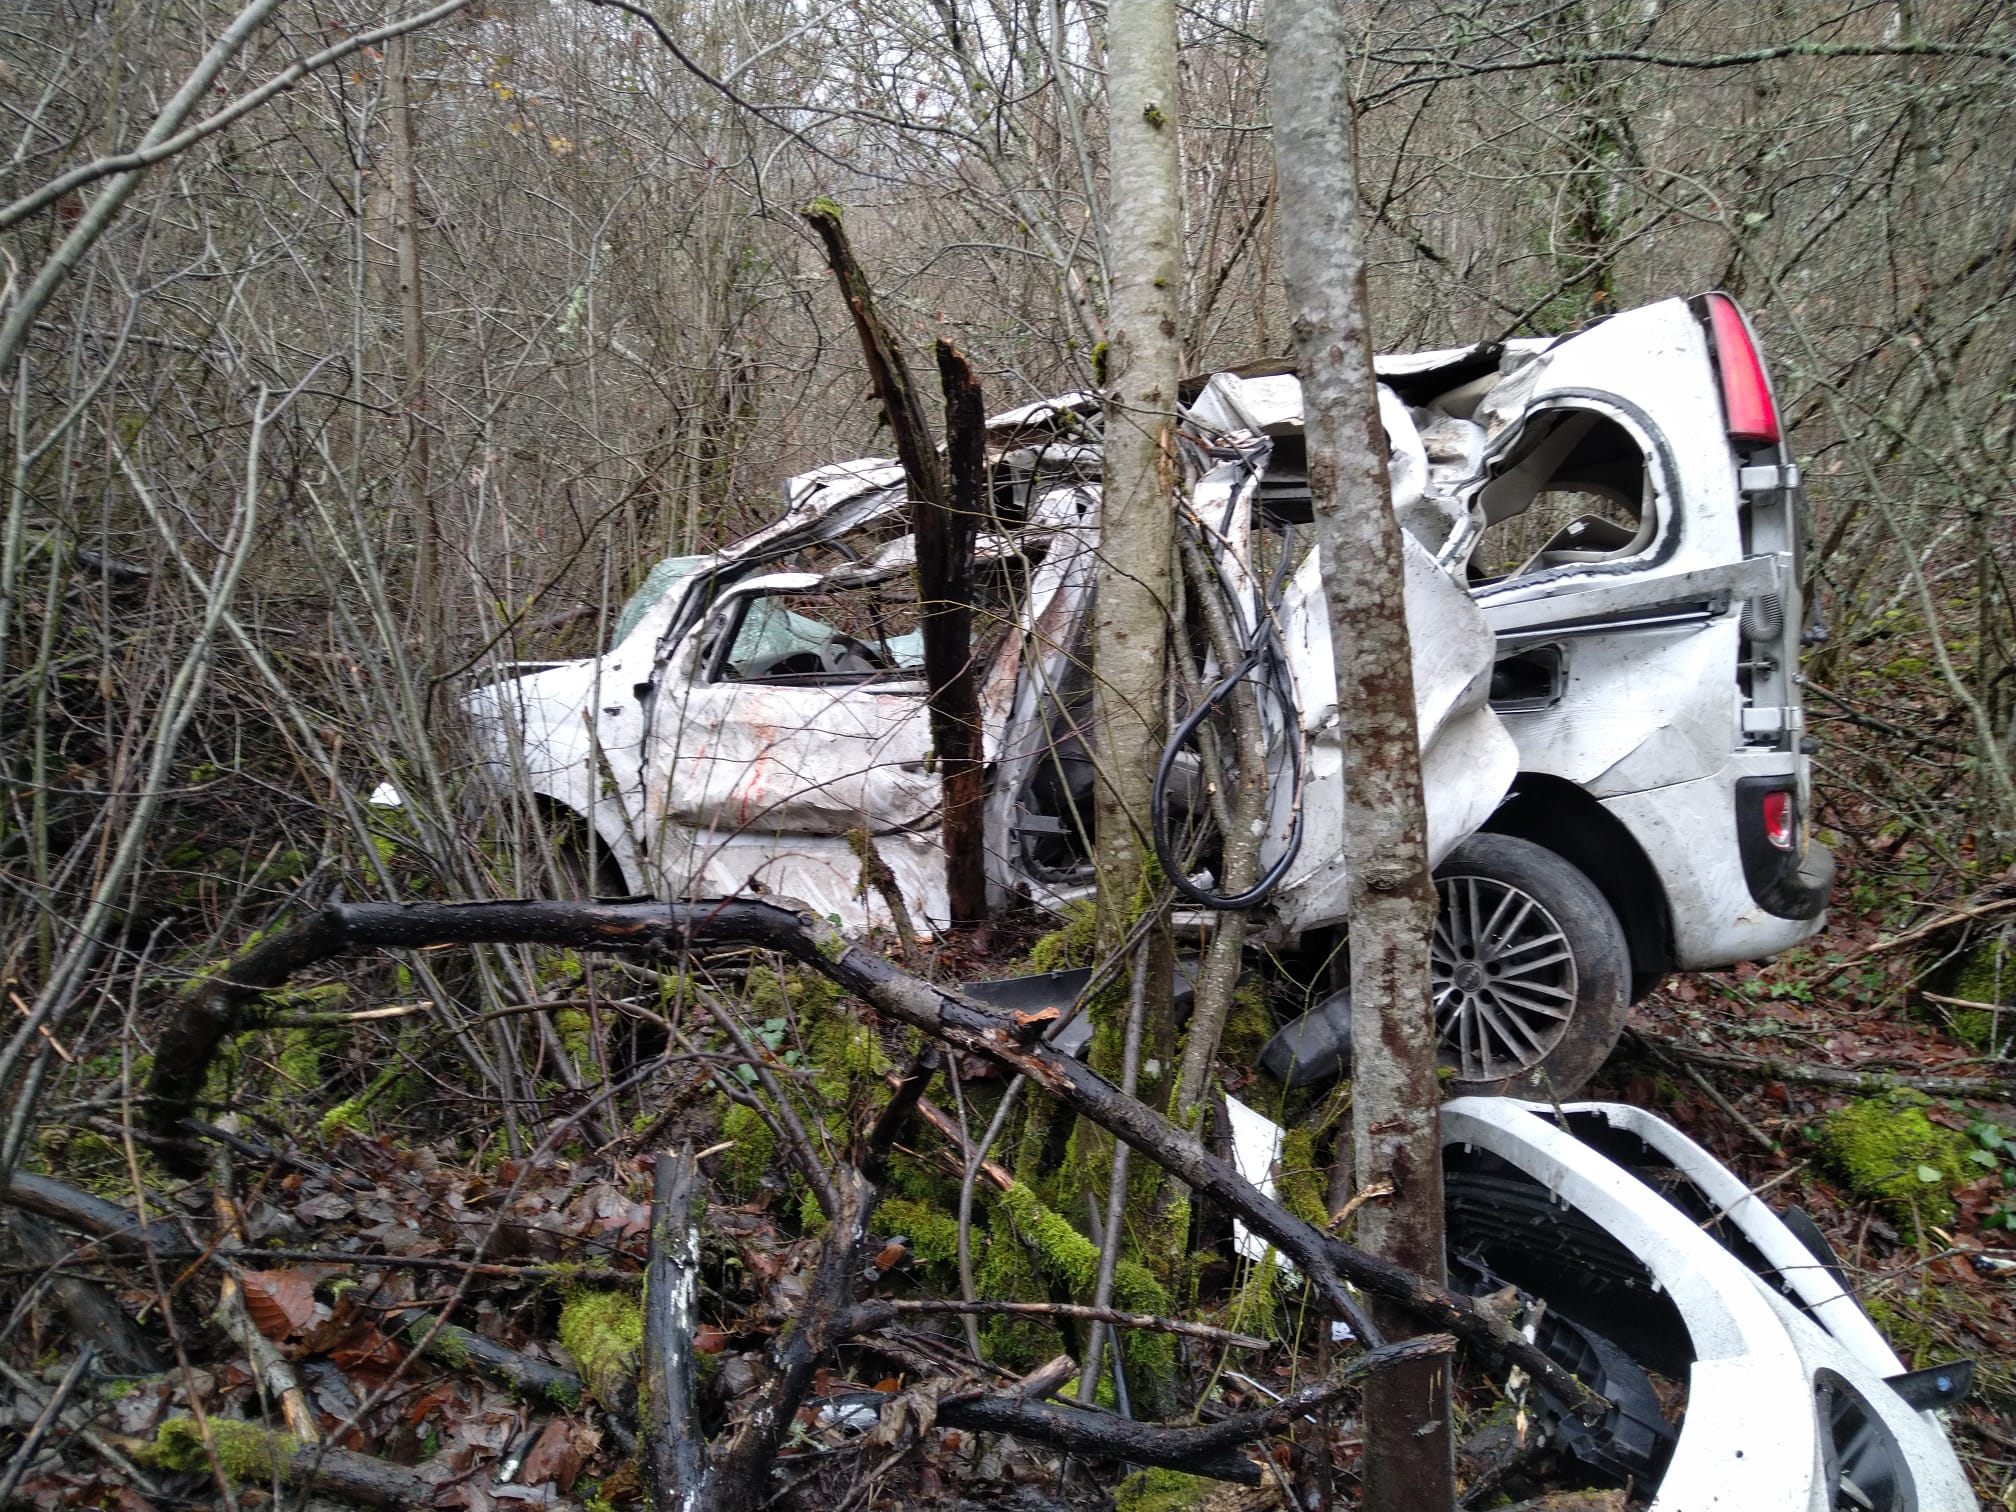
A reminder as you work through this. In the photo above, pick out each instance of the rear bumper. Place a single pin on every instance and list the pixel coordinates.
(1689, 833)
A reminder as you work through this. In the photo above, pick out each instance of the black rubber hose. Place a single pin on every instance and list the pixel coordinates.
(1264, 653)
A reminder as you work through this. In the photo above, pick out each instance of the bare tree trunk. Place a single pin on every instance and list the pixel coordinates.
(1408, 1465)
(427, 618)
(945, 583)
(1137, 515)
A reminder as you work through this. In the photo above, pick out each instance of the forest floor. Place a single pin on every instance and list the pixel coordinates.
(460, 1329)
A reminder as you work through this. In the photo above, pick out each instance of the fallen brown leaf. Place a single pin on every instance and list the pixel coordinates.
(280, 1303)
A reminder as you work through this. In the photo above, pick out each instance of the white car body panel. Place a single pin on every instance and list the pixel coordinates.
(698, 785)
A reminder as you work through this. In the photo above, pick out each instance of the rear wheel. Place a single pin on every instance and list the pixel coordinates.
(1530, 967)
(580, 865)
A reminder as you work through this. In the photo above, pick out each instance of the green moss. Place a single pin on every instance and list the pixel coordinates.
(1072, 1259)
(391, 1087)
(824, 205)
(1300, 1183)
(1889, 1152)
(84, 1158)
(1072, 943)
(1985, 975)
(299, 1060)
(1004, 1270)
(754, 1145)
(766, 994)
(560, 969)
(842, 1052)
(1063, 1251)
(933, 1233)
(1253, 1304)
(247, 1451)
(577, 1037)
(1248, 1026)
(603, 1330)
(1157, 1490)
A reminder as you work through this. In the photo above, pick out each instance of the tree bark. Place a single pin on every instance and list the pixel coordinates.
(1137, 509)
(1409, 1465)
(945, 543)
(429, 620)
(675, 1449)
(946, 524)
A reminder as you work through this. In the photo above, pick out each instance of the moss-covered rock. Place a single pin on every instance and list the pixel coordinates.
(1889, 1152)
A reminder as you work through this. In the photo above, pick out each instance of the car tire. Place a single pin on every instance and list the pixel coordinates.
(1531, 971)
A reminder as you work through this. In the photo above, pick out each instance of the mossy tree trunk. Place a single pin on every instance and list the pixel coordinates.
(1408, 1461)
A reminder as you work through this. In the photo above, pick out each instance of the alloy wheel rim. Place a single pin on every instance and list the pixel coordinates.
(1504, 979)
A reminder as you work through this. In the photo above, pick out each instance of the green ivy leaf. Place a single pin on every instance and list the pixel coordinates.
(1929, 1174)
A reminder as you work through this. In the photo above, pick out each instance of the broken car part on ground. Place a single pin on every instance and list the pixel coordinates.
(1603, 585)
(1600, 1249)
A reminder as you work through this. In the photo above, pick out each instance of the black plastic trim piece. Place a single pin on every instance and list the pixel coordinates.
(1782, 882)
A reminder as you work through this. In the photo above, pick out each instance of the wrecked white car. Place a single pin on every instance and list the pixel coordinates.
(1603, 588)
(1742, 1372)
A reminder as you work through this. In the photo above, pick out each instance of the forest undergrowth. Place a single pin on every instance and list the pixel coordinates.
(354, 1242)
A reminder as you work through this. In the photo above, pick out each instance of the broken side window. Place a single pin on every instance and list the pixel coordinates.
(846, 635)
(1575, 491)
(863, 624)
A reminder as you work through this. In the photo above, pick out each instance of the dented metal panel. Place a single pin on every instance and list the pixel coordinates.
(1637, 649)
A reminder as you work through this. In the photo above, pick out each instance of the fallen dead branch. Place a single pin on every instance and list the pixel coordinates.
(267, 1454)
(1775, 1068)
(1213, 1449)
(1945, 920)
(123, 1231)
(224, 1002)
(530, 1379)
(873, 1315)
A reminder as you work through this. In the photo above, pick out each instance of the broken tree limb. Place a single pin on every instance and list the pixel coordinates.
(92, 1310)
(1945, 920)
(945, 542)
(44, 1420)
(895, 1117)
(872, 1315)
(946, 525)
(533, 1380)
(188, 1043)
(740, 1474)
(122, 1230)
(948, 1127)
(1774, 1068)
(260, 1454)
(1213, 1450)
(271, 1370)
(675, 1448)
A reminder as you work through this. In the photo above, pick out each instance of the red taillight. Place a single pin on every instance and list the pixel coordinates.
(1746, 392)
(1781, 821)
